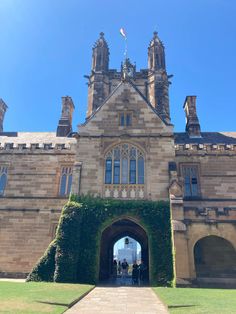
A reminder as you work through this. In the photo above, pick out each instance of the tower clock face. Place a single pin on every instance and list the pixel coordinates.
(130, 72)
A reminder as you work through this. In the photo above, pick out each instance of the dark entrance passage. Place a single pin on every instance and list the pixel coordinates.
(117, 230)
(215, 257)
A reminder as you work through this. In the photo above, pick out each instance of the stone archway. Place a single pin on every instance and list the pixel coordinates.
(214, 257)
(87, 231)
(117, 230)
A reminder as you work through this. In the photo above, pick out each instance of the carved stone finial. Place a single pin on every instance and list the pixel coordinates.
(192, 123)
(155, 34)
(127, 69)
(3, 109)
(102, 35)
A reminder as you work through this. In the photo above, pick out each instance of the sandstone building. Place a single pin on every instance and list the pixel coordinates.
(126, 149)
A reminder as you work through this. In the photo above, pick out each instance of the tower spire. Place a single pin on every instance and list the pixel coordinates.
(98, 85)
(100, 54)
(158, 83)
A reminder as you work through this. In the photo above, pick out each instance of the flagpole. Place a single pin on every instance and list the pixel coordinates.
(123, 34)
(126, 48)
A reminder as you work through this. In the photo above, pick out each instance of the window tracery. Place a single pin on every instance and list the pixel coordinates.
(66, 181)
(124, 164)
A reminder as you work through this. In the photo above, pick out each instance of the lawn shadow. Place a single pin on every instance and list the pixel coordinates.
(178, 306)
(54, 303)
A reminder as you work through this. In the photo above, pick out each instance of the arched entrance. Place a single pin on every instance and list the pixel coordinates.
(214, 257)
(120, 228)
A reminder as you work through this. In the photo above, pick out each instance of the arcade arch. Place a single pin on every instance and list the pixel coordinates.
(214, 257)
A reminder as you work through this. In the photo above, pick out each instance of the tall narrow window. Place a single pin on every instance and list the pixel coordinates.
(124, 165)
(141, 170)
(3, 179)
(116, 179)
(132, 172)
(191, 185)
(108, 174)
(66, 181)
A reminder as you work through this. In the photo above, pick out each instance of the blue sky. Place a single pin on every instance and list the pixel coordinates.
(45, 49)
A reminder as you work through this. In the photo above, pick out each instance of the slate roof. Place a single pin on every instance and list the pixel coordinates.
(207, 138)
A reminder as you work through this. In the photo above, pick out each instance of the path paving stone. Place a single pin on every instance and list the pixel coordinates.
(122, 300)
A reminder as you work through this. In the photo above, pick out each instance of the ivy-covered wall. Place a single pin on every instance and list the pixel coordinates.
(74, 254)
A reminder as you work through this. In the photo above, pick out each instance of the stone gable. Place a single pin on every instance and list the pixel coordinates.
(125, 98)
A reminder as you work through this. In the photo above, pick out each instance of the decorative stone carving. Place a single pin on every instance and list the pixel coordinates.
(178, 226)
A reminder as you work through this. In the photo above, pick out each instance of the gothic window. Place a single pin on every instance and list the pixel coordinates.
(3, 179)
(191, 181)
(66, 181)
(125, 119)
(124, 164)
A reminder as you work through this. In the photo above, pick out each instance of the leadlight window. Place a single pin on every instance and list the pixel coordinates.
(3, 179)
(191, 181)
(66, 181)
(125, 119)
(124, 164)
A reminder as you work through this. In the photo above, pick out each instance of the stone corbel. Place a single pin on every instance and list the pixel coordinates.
(175, 191)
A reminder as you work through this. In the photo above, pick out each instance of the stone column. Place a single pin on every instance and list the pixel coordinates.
(179, 227)
(75, 189)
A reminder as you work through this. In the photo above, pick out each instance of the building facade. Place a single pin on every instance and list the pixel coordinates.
(126, 149)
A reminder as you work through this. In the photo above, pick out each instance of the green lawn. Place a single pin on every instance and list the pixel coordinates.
(198, 301)
(38, 297)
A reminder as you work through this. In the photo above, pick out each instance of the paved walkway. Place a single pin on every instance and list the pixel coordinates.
(12, 279)
(122, 300)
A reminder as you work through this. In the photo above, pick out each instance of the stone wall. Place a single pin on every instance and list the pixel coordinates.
(24, 236)
(30, 206)
(214, 211)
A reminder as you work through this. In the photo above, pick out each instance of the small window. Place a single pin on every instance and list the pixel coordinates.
(3, 179)
(128, 119)
(66, 181)
(122, 119)
(125, 119)
(191, 181)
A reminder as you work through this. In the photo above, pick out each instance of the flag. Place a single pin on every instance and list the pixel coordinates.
(122, 32)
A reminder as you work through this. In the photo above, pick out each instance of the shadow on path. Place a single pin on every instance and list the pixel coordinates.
(122, 282)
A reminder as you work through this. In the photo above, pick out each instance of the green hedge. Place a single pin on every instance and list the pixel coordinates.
(75, 251)
(45, 268)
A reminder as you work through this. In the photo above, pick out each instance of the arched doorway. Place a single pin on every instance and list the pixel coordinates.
(214, 257)
(120, 228)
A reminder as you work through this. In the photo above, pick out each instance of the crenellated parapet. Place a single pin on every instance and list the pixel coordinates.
(35, 146)
(42, 142)
(205, 149)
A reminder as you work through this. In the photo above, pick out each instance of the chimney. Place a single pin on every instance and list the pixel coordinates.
(3, 109)
(192, 123)
(65, 123)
